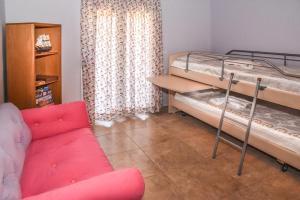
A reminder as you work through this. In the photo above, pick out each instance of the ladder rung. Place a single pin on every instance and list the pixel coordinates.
(225, 116)
(231, 143)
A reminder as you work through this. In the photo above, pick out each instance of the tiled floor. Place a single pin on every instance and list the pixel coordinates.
(173, 152)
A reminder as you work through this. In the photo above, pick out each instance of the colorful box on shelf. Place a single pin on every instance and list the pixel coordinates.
(44, 96)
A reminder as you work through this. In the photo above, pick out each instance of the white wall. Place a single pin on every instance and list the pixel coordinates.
(186, 26)
(2, 22)
(266, 25)
(67, 13)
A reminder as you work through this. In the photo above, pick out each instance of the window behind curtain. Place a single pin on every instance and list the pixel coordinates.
(127, 49)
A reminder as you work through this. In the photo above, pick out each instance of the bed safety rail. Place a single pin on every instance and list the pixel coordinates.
(285, 57)
(237, 55)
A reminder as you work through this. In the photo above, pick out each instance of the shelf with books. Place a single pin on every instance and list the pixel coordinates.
(43, 96)
(26, 62)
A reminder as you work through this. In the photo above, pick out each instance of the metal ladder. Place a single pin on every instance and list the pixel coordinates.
(219, 137)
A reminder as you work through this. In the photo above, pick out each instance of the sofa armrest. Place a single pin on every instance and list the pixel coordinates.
(53, 120)
(118, 185)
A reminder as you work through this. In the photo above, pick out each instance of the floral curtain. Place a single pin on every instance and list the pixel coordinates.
(121, 42)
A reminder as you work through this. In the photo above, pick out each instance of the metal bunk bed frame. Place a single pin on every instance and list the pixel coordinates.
(237, 55)
(258, 56)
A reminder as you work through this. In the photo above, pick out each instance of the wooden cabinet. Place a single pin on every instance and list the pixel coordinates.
(25, 64)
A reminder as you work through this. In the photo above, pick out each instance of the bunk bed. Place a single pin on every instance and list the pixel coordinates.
(197, 84)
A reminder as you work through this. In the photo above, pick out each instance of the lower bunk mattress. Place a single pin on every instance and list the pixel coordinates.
(273, 123)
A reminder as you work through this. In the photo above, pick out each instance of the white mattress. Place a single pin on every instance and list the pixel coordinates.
(267, 124)
(243, 72)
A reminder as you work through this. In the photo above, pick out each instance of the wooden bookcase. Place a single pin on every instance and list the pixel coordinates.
(25, 64)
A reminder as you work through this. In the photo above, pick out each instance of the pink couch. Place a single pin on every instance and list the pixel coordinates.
(64, 160)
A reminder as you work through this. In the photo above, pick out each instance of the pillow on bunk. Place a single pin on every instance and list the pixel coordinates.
(233, 102)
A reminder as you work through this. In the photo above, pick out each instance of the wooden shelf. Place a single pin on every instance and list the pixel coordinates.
(47, 79)
(46, 83)
(25, 65)
(37, 55)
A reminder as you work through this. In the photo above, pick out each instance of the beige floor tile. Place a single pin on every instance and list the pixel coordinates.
(172, 154)
(134, 158)
(149, 136)
(204, 144)
(159, 187)
(202, 182)
(116, 143)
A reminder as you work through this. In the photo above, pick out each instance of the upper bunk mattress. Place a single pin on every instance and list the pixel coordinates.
(279, 125)
(248, 72)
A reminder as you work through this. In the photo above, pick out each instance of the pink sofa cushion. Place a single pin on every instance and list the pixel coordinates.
(62, 160)
(124, 184)
(53, 120)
